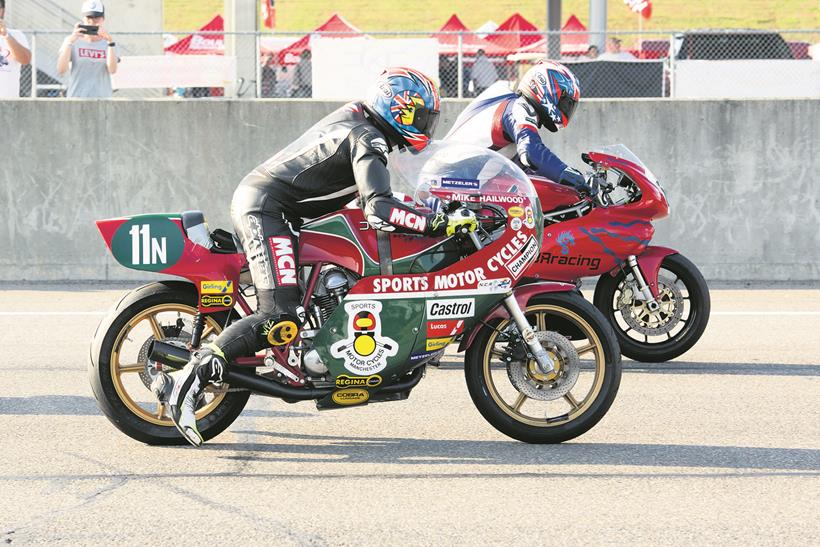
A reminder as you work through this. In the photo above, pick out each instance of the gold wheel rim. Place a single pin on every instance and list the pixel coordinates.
(577, 408)
(117, 369)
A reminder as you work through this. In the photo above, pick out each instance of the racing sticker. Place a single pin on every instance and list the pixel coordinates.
(411, 221)
(284, 263)
(444, 328)
(519, 263)
(515, 224)
(495, 285)
(450, 309)
(216, 287)
(364, 350)
(216, 301)
(515, 212)
(529, 218)
(437, 343)
(351, 396)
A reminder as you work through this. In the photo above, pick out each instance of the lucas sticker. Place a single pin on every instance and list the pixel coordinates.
(364, 350)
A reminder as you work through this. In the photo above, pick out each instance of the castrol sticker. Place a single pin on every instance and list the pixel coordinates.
(450, 309)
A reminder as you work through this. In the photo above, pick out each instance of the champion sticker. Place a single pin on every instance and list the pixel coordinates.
(519, 263)
(364, 350)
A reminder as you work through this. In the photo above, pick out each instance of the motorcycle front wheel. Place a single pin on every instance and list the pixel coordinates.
(670, 331)
(121, 374)
(521, 401)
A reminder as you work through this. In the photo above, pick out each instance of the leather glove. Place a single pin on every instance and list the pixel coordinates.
(574, 179)
(462, 221)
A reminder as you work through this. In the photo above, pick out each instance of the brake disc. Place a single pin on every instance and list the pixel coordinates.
(652, 323)
(528, 378)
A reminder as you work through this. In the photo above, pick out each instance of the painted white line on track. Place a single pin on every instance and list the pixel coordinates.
(59, 313)
(18, 313)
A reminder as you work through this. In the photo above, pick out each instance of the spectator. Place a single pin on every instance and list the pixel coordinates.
(14, 53)
(303, 77)
(268, 76)
(92, 53)
(614, 53)
(592, 52)
(483, 73)
(283, 82)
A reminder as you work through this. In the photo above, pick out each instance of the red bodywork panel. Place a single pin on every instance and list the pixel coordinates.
(601, 240)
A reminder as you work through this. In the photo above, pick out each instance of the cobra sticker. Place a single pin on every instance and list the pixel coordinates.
(450, 309)
(352, 396)
(364, 350)
(343, 380)
(216, 287)
(216, 301)
(519, 263)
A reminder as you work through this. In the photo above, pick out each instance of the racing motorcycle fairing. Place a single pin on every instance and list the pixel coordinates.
(158, 243)
(388, 325)
(650, 264)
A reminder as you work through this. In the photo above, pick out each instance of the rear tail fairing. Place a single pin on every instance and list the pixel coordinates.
(158, 243)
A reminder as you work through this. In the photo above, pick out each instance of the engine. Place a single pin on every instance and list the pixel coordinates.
(330, 290)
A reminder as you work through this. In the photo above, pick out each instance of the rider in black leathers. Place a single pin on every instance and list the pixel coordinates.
(344, 154)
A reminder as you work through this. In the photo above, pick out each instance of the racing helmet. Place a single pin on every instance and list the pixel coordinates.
(404, 104)
(552, 89)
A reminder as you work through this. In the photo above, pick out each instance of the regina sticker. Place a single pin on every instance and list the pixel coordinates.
(364, 350)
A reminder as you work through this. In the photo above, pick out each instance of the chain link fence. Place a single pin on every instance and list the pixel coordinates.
(676, 64)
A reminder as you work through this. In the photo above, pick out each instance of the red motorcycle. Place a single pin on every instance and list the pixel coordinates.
(542, 364)
(656, 299)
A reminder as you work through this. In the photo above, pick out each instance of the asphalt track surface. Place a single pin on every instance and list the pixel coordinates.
(721, 446)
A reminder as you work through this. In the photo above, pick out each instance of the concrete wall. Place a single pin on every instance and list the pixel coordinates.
(741, 176)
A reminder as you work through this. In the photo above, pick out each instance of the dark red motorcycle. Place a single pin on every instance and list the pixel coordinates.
(654, 297)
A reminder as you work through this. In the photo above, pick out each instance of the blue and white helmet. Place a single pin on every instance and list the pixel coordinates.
(552, 89)
(407, 103)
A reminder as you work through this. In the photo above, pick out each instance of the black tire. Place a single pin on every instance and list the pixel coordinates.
(682, 339)
(566, 314)
(100, 370)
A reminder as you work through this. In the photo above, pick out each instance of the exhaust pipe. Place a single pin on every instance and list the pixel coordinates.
(176, 357)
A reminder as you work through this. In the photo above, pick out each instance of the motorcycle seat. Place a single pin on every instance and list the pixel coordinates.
(219, 241)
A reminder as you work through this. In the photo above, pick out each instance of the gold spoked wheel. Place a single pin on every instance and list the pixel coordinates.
(132, 374)
(531, 397)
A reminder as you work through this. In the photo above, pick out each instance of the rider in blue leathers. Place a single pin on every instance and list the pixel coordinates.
(508, 121)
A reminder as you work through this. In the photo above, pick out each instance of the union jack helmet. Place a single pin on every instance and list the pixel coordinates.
(552, 89)
(405, 104)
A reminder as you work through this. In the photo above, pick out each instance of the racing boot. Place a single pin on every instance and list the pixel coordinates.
(180, 391)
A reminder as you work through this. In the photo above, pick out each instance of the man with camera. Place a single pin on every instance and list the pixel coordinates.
(14, 53)
(92, 54)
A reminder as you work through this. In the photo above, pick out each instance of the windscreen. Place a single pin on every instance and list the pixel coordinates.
(621, 151)
(457, 171)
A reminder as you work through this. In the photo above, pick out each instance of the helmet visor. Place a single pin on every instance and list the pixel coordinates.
(426, 120)
(567, 105)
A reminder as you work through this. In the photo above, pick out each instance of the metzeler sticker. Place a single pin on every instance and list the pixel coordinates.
(515, 212)
(213, 301)
(284, 264)
(352, 396)
(519, 263)
(411, 221)
(216, 287)
(343, 380)
(446, 327)
(364, 350)
(450, 309)
(459, 184)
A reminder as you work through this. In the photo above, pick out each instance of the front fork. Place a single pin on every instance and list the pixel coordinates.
(545, 363)
(643, 288)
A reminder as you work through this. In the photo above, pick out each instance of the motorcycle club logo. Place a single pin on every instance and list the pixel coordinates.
(404, 107)
(364, 350)
(565, 240)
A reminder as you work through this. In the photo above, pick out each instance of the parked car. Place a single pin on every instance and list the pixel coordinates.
(715, 45)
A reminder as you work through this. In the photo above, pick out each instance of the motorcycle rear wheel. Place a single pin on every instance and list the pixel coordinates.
(681, 284)
(119, 375)
(530, 406)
